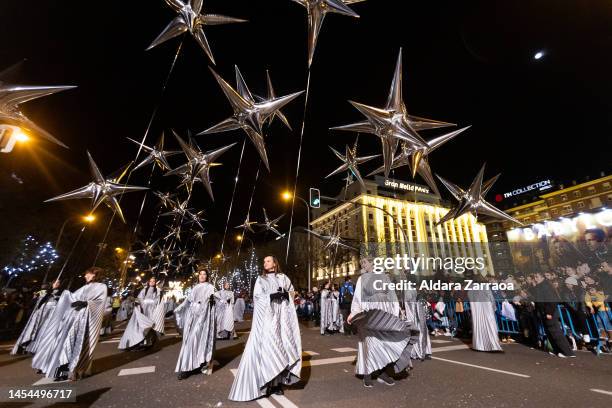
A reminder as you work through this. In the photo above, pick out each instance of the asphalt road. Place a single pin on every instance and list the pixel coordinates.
(455, 377)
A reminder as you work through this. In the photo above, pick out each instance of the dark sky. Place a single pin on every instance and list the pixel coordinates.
(467, 62)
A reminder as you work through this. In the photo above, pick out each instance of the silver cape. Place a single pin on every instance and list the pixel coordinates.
(273, 352)
(225, 313)
(149, 316)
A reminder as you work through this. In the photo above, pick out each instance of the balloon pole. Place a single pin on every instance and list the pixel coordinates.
(229, 213)
(297, 170)
(71, 252)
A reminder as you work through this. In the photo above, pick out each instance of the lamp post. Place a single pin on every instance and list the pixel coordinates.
(286, 195)
(88, 219)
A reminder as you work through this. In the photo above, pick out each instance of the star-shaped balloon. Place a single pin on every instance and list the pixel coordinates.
(408, 151)
(165, 199)
(350, 161)
(333, 240)
(247, 225)
(270, 96)
(148, 249)
(317, 10)
(157, 154)
(199, 235)
(176, 209)
(100, 190)
(195, 218)
(270, 225)
(199, 163)
(249, 115)
(472, 201)
(11, 96)
(191, 19)
(393, 124)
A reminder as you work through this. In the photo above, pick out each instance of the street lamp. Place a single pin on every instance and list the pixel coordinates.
(287, 196)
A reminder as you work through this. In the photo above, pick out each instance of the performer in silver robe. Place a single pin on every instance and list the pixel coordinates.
(273, 353)
(125, 310)
(107, 320)
(70, 339)
(147, 321)
(45, 306)
(385, 341)
(326, 309)
(416, 311)
(336, 316)
(239, 307)
(225, 313)
(198, 310)
(484, 326)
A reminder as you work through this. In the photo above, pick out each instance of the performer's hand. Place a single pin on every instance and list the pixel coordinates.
(79, 304)
(548, 317)
(349, 319)
(56, 284)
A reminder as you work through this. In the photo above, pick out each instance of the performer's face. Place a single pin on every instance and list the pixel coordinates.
(89, 277)
(269, 265)
(202, 276)
(226, 286)
(152, 282)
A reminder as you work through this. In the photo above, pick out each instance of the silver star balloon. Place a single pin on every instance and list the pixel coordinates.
(199, 235)
(196, 218)
(408, 151)
(174, 233)
(177, 209)
(100, 190)
(199, 163)
(333, 240)
(191, 19)
(272, 95)
(472, 201)
(249, 115)
(350, 161)
(157, 155)
(270, 225)
(393, 124)
(164, 198)
(317, 10)
(11, 96)
(148, 249)
(247, 225)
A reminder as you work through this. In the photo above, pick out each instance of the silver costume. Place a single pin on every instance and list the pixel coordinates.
(484, 325)
(149, 316)
(331, 318)
(45, 306)
(239, 307)
(72, 334)
(273, 352)
(225, 313)
(198, 328)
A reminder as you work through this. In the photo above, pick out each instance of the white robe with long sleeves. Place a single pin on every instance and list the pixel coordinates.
(149, 316)
(273, 352)
(239, 307)
(72, 335)
(225, 313)
(198, 328)
(45, 306)
(485, 335)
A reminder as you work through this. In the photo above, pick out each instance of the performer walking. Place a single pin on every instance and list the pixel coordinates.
(484, 326)
(33, 330)
(147, 321)
(239, 307)
(125, 310)
(326, 309)
(225, 313)
(69, 342)
(273, 353)
(198, 311)
(385, 341)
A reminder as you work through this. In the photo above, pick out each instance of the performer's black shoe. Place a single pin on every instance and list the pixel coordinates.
(39, 372)
(367, 381)
(279, 390)
(428, 357)
(384, 378)
(182, 376)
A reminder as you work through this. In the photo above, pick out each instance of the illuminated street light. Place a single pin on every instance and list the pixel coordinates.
(119, 250)
(286, 195)
(538, 55)
(89, 218)
(239, 238)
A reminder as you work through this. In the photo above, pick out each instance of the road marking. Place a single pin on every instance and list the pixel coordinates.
(138, 370)
(310, 353)
(344, 349)
(284, 401)
(482, 368)
(325, 361)
(601, 391)
(266, 403)
(449, 348)
(47, 381)
(440, 341)
(110, 341)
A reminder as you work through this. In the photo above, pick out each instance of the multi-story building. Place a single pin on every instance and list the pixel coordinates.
(397, 217)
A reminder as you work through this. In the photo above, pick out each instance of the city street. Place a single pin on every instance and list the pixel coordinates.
(456, 376)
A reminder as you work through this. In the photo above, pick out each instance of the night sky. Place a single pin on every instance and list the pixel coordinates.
(466, 62)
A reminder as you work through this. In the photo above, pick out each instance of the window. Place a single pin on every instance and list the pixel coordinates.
(606, 185)
(567, 209)
(563, 197)
(577, 193)
(370, 216)
(580, 204)
(554, 212)
(591, 190)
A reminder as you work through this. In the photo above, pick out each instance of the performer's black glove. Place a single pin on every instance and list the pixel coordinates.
(211, 300)
(280, 295)
(169, 313)
(229, 301)
(79, 304)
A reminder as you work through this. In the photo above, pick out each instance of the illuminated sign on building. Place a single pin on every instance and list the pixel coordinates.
(539, 186)
(402, 185)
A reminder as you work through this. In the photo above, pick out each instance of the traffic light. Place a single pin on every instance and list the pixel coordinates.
(315, 198)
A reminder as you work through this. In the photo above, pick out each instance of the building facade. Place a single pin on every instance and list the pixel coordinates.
(395, 218)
